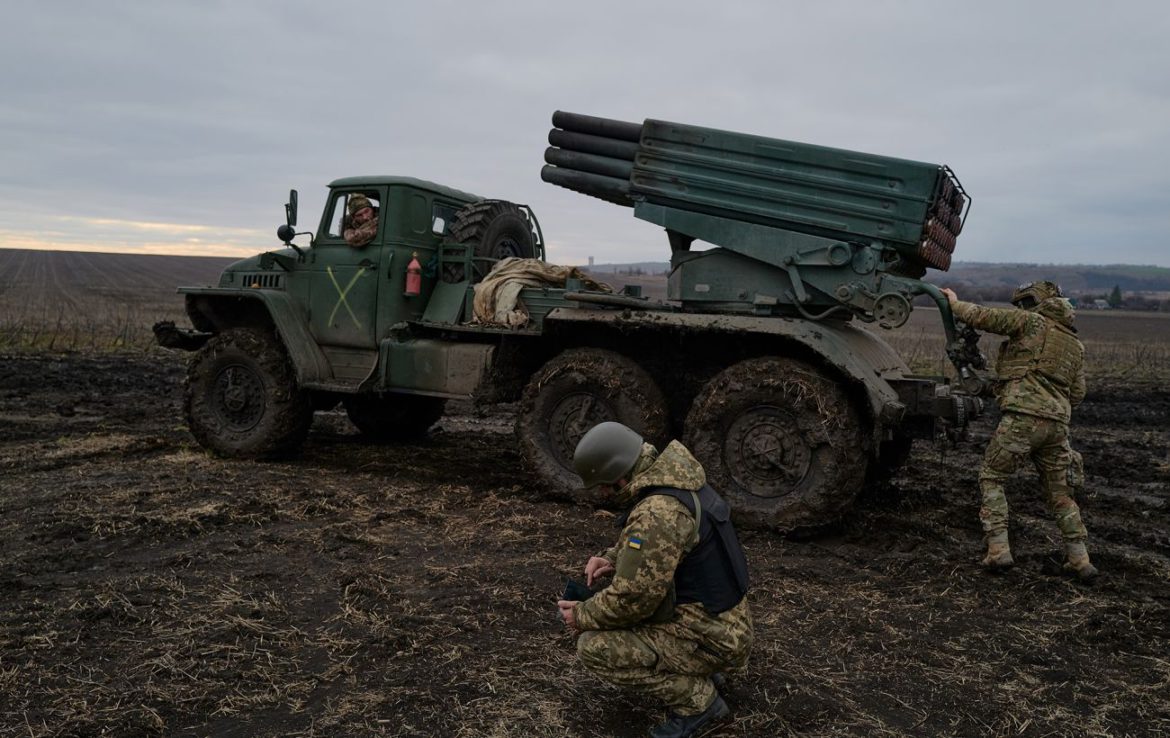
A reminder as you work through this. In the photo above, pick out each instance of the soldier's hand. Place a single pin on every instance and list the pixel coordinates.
(596, 568)
(566, 608)
(952, 298)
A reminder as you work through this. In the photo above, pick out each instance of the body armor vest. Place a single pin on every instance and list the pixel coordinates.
(1055, 353)
(714, 572)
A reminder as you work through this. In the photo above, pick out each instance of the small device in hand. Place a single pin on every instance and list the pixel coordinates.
(576, 591)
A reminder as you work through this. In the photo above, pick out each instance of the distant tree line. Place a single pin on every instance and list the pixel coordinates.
(1114, 298)
(638, 271)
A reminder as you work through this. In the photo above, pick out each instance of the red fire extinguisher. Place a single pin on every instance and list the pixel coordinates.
(413, 276)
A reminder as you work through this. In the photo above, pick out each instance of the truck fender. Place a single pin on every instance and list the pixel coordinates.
(858, 354)
(214, 310)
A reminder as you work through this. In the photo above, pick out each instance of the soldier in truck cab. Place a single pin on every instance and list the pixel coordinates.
(361, 223)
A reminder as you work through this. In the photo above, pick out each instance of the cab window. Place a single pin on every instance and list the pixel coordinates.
(339, 215)
(441, 217)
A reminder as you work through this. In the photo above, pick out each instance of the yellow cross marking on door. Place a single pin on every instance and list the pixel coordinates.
(341, 293)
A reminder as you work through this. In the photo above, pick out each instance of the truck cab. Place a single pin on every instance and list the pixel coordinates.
(333, 305)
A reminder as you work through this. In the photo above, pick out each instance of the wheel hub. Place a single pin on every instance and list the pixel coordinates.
(238, 397)
(506, 247)
(766, 453)
(571, 418)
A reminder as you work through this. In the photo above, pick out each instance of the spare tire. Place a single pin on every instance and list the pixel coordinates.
(496, 229)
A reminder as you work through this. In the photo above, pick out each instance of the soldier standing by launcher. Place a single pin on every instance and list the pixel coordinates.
(1040, 379)
(675, 614)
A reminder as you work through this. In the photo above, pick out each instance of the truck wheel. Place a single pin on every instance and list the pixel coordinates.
(241, 397)
(394, 417)
(496, 228)
(574, 392)
(780, 441)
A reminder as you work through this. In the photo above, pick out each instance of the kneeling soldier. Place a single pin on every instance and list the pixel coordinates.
(675, 615)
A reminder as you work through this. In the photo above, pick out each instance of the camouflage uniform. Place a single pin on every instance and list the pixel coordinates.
(1040, 379)
(632, 634)
(359, 235)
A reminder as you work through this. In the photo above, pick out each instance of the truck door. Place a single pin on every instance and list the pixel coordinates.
(343, 298)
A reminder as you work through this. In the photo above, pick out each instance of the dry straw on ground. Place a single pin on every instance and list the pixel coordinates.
(363, 590)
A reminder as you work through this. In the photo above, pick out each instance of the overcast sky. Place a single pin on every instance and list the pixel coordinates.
(179, 127)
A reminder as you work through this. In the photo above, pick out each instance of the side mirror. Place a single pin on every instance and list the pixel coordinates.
(286, 233)
(290, 210)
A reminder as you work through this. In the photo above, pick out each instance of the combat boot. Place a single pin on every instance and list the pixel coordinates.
(1078, 562)
(999, 553)
(681, 726)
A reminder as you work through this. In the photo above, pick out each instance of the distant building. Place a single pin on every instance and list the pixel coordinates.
(1099, 304)
(590, 261)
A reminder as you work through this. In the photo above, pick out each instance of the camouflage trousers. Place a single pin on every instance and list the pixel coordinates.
(1021, 437)
(665, 661)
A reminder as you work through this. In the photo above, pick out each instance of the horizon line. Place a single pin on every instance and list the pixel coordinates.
(137, 252)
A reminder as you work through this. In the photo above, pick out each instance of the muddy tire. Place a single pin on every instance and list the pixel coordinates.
(241, 397)
(574, 392)
(496, 229)
(394, 417)
(780, 441)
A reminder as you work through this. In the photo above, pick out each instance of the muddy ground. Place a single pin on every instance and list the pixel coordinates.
(148, 588)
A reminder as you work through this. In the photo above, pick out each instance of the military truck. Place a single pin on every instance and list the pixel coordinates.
(756, 359)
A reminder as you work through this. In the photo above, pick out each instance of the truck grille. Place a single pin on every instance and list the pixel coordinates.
(264, 281)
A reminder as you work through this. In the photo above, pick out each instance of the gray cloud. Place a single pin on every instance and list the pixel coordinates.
(1054, 115)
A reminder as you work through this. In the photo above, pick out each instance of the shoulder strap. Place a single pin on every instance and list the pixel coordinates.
(698, 514)
(693, 505)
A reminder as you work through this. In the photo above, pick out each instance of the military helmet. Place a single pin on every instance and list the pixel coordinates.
(357, 202)
(606, 453)
(1031, 294)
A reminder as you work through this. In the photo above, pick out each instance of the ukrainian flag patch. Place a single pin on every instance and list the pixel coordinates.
(634, 542)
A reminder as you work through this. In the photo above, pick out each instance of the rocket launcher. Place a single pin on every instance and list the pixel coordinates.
(799, 229)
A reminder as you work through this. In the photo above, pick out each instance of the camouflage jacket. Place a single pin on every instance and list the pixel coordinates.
(1040, 368)
(358, 236)
(658, 533)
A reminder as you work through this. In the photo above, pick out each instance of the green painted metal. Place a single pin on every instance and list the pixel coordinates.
(288, 315)
(450, 193)
(767, 244)
(377, 295)
(798, 186)
(344, 295)
(539, 301)
(446, 303)
(800, 229)
(334, 300)
(915, 209)
(434, 367)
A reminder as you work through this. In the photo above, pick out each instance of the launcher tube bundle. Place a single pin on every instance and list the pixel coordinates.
(801, 229)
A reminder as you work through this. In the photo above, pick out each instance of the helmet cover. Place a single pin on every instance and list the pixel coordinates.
(606, 453)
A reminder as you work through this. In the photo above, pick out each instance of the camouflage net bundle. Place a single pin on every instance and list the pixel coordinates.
(497, 297)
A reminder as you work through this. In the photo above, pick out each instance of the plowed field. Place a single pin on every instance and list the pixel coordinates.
(150, 589)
